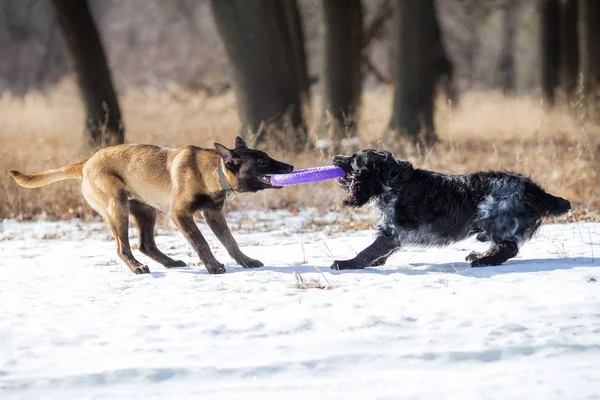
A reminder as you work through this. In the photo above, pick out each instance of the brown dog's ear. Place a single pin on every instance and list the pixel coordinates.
(225, 153)
(240, 143)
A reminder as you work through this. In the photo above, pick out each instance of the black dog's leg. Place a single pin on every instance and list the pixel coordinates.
(382, 260)
(474, 255)
(379, 262)
(496, 255)
(382, 247)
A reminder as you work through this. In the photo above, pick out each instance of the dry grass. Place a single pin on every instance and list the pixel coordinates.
(485, 131)
(314, 283)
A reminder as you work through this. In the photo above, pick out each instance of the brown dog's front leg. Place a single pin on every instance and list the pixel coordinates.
(216, 222)
(188, 227)
(381, 247)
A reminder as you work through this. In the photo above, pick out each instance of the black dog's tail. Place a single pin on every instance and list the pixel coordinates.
(554, 205)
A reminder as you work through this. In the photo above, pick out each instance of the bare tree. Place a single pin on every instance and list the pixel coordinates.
(569, 46)
(294, 20)
(550, 42)
(589, 45)
(104, 126)
(443, 67)
(341, 68)
(414, 83)
(258, 42)
(506, 67)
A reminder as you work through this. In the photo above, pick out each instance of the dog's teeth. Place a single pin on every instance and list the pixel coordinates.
(266, 178)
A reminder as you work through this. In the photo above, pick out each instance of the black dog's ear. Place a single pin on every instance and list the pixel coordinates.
(228, 156)
(240, 143)
(397, 167)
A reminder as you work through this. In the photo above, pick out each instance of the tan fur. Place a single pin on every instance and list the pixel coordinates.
(45, 178)
(137, 179)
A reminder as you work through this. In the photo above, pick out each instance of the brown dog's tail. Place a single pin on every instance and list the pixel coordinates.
(72, 171)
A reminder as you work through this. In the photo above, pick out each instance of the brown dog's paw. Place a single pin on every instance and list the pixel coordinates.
(345, 264)
(142, 269)
(215, 268)
(176, 264)
(250, 263)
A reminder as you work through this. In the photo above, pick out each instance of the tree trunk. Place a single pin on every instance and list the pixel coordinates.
(550, 36)
(506, 67)
(569, 55)
(443, 69)
(341, 68)
(412, 112)
(258, 42)
(104, 126)
(294, 20)
(589, 48)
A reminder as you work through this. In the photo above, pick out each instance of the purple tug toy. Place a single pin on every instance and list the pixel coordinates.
(307, 175)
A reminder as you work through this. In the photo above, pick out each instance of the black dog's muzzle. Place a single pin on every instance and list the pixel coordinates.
(344, 162)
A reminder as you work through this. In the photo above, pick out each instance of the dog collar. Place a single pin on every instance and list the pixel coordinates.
(223, 179)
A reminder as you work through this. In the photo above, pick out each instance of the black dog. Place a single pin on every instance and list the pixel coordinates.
(426, 208)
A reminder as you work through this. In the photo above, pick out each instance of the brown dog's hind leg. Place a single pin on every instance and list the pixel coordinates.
(144, 217)
(216, 222)
(108, 196)
(187, 226)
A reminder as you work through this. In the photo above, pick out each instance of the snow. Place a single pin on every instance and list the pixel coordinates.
(76, 324)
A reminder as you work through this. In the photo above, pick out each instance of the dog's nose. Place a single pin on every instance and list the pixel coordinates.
(289, 168)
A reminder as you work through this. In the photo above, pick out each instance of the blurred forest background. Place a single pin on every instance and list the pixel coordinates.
(453, 85)
(156, 42)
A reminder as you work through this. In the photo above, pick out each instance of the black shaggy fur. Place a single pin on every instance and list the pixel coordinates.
(426, 208)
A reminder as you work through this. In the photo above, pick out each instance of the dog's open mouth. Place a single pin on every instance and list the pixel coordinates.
(342, 162)
(265, 179)
(345, 181)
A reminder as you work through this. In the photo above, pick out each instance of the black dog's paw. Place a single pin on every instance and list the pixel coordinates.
(215, 268)
(379, 262)
(484, 262)
(473, 256)
(345, 264)
(142, 269)
(479, 263)
(482, 237)
(250, 263)
(175, 264)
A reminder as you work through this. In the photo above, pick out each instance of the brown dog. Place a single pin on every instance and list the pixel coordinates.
(138, 179)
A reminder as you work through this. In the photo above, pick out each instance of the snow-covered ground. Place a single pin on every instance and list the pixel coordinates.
(75, 323)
